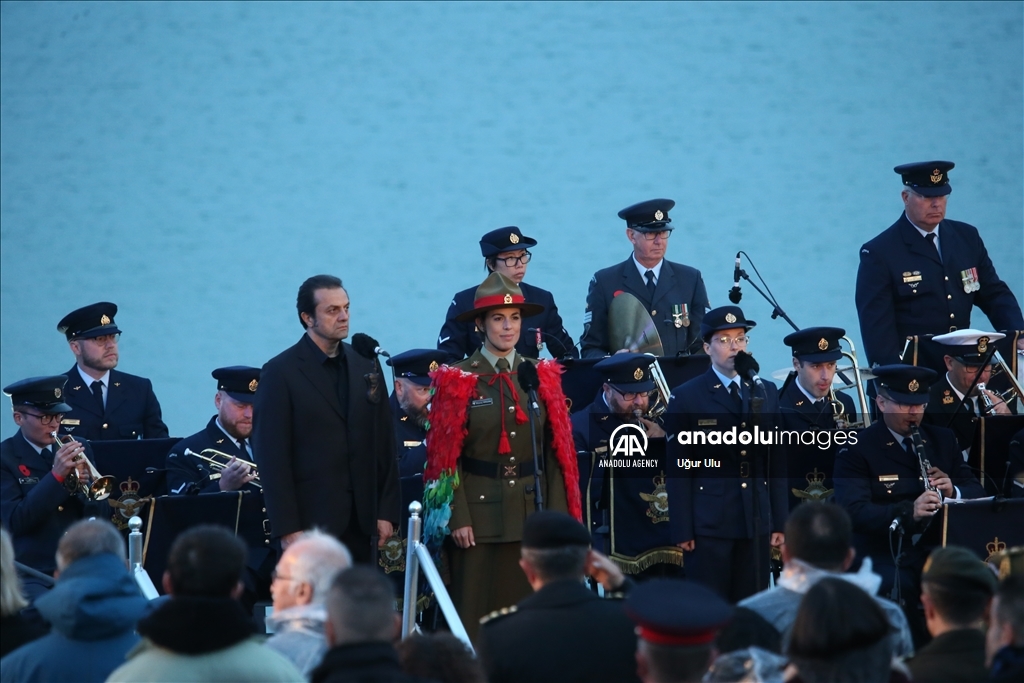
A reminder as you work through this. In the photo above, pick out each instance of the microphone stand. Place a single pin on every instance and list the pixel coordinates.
(538, 494)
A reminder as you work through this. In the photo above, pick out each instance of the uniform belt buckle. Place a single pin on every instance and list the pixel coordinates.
(744, 469)
(510, 471)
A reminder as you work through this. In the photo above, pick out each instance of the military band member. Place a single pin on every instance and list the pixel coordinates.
(228, 432)
(106, 404)
(728, 500)
(626, 507)
(949, 404)
(507, 251)
(36, 498)
(807, 402)
(480, 465)
(878, 481)
(924, 274)
(672, 293)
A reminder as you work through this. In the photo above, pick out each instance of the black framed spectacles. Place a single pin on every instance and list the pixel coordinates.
(630, 396)
(513, 261)
(47, 420)
(651, 236)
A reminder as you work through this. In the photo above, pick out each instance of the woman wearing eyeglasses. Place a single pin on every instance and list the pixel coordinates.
(506, 251)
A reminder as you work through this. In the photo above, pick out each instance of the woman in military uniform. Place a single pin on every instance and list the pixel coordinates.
(480, 483)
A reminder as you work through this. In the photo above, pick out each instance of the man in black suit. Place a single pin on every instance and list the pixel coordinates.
(106, 404)
(322, 431)
(726, 482)
(924, 274)
(878, 481)
(506, 251)
(38, 499)
(564, 631)
(672, 293)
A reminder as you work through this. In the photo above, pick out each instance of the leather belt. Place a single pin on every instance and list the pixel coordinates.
(494, 470)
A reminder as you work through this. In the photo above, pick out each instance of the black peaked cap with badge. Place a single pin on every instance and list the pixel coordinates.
(676, 612)
(504, 239)
(238, 381)
(906, 384)
(44, 393)
(927, 178)
(648, 216)
(549, 529)
(416, 365)
(816, 344)
(88, 322)
(627, 372)
(724, 318)
(970, 347)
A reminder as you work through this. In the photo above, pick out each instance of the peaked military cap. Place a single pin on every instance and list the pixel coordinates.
(724, 318)
(44, 393)
(627, 372)
(238, 381)
(551, 529)
(816, 344)
(504, 239)
(970, 347)
(959, 569)
(907, 384)
(497, 291)
(89, 322)
(677, 612)
(649, 216)
(417, 364)
(927, 178)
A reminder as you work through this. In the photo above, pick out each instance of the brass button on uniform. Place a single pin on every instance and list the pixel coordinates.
(511, 482)
(511, 409)
(949, 296)
(511, 458)
(60, 508)
(512, 435)
(654, 312)
(743, 452)
(952, 315)
(481, 497)
(104, 425)
(743, 485)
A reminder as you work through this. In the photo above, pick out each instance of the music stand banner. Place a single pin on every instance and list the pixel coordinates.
(986, 526)
(128, 461)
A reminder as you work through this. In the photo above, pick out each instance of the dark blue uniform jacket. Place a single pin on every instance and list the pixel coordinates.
(131, 412)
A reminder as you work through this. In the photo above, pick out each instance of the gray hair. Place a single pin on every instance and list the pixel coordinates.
(318, 558)
(12, 600)
(90, 537)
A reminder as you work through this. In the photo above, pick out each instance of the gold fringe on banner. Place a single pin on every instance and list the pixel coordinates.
(635, 565)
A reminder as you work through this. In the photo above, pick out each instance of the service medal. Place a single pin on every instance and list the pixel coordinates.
(970, 279)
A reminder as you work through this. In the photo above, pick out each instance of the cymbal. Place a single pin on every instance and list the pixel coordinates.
(631, 327)
(780, 375)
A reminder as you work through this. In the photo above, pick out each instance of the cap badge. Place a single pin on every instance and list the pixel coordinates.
(913, 386)
(730, 318)
(252, 385)
(433, 365)
(56, 392)
(638, 374)
(508, 298)
(823, 344)
(982, 344)
(513, 238)
(658, 215)
(104, 320)
(936, 177)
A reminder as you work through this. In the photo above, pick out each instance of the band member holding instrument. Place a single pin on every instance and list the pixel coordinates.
(626, 508)
(228, 431)
(481, 477)
(106, 404)
(807, 401)
(672, 293)
(507, 251)
(878, 481)
(36, 496)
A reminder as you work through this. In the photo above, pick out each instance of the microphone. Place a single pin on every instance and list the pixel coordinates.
(529, 381)
(895, 524)
(747, 367)
(735, 294)
(367, 346)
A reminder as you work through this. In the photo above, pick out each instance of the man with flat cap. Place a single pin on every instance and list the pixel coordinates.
(807, 403)
(924, 274)
(878, 481)
(506, 251)
(563, 631)
(726, 480)
(672, 293)
(677, 623)
(38, 500)
(106, 404)
(626, 507)
(957, 399)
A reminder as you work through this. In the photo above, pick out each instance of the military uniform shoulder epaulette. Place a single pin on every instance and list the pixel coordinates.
(504, 611)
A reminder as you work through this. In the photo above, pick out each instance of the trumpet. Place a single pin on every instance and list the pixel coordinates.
(99, 488)
(210, 455)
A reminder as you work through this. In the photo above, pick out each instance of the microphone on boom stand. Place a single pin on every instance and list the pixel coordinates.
(529, 381)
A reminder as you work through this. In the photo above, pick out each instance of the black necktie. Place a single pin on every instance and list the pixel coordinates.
(908, 445)
(47, 455)
(241, 444)
(931, 241)
(734, 392)
(650, 283)
(97, 394)
(502, 365)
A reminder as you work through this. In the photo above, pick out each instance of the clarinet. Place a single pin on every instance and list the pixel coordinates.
(922, 459)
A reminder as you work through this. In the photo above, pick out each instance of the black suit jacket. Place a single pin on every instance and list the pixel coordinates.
(36, 508)
(132, 410)
(677, 285)
(315, 461)
(561, 633)
(461, 340)
(903, 289)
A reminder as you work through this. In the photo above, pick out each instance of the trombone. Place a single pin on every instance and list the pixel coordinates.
(210, 455)
(101, 486)
(662, 395)
(858, 381)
